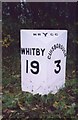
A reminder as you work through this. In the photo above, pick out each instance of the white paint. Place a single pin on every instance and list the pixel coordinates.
(22, 0)
(50, 73)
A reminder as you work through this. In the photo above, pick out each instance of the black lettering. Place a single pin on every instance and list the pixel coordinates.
(50, 51)
(27, 51)
(33, 50)
(30, 51)
(57, 45)
(57, 62)
(65, 54)
(45, 34)
(49, 57)
(35, 64)
(42, 51)
(26, 66)
(54, 46)
(34, 34)
(37, 51)
(23, 51)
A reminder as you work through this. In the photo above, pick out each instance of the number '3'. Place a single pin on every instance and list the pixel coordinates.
(57, 62)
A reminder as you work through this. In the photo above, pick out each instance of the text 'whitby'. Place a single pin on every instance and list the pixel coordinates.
(33, 51)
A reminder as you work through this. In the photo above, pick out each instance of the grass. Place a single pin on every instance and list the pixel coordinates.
(20, 105)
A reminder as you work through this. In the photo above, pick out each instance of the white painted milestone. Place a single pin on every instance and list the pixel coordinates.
(43, 60)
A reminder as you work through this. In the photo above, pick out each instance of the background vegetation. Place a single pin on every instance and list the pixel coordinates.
(18, 105)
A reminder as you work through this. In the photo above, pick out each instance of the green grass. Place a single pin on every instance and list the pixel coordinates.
(20, 105)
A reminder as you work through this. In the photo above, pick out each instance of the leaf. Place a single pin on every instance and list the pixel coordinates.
(34, 108)
(55, 104)
(21, 106)
(71, 111)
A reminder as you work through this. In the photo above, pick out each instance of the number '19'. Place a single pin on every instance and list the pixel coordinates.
(34, 67)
